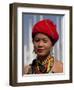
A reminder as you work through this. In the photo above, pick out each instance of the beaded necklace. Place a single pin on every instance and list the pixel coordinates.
(44, 66)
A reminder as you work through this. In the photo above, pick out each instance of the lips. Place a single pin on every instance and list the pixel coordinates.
(40, 50)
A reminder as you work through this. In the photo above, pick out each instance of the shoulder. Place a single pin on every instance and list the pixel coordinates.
(27, 69)
(57, 67)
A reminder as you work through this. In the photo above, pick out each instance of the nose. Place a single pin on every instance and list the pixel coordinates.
(40, 43)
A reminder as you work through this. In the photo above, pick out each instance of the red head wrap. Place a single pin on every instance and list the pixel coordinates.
(46, 27)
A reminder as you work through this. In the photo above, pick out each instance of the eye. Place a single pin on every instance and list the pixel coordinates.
(37, 40)
(45, 41)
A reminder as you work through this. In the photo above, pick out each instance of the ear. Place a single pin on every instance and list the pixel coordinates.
(51, 51)
(33, 41)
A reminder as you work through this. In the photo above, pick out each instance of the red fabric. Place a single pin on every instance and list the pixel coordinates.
(46, 27)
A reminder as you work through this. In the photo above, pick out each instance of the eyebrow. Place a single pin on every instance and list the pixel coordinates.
(41, 38)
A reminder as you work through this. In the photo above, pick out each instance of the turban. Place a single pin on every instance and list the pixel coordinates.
(46, 27)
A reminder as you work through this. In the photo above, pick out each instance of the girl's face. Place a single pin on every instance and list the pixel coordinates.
(42, 44)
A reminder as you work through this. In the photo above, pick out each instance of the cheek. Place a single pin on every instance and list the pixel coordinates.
(48, 47)
(49, 44)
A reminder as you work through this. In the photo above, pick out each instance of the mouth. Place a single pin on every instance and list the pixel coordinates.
(40, 50)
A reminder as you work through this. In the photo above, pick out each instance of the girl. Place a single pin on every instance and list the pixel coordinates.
(44, 36)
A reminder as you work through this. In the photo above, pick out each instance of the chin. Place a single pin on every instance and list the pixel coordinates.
(41, 54)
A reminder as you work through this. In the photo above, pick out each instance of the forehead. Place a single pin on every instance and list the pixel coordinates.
(41, 36)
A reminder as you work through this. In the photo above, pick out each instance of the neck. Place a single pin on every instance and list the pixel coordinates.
(42, 58)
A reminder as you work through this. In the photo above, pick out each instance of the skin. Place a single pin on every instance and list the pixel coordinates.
(42, 45)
